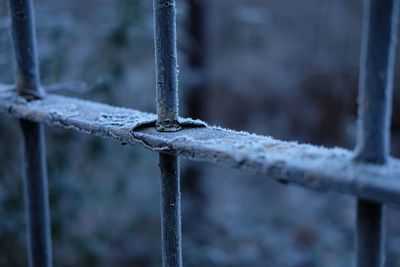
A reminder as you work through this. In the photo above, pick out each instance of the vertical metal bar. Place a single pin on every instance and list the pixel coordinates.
(36, 195)
(374, 108)
(166, 64)
(34, 164)
(376, 80)
(170, 211)
(370, 234)
(167, 111)
(24, 40)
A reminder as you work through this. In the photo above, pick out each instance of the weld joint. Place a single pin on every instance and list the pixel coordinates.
(168, 126)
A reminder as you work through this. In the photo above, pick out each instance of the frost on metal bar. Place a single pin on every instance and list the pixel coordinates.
(311, 166)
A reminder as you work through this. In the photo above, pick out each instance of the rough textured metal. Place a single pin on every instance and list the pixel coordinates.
(314, 167)
(167, 121)
(374, 108)
(166, 64)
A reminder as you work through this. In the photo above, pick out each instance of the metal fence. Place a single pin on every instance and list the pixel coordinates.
(368, 173)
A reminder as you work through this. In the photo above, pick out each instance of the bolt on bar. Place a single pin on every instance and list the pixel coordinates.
(374, 108)
(35, 173)
(167, 121)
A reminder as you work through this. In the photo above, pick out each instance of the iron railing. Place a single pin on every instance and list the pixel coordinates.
(369, 173)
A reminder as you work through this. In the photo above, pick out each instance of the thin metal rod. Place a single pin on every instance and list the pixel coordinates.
(376, 80)
(167, 121)
(166, 64)
(36, 195)
(27, 74)
(34, 164)
(374, 108)
(370, 234)
(170, 211)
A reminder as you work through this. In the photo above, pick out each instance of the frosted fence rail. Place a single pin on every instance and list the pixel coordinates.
(369, 173)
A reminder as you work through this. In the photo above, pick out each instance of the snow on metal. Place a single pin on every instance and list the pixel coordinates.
(314, 167)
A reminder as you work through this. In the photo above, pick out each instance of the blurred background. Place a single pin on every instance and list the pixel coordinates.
(286, 68)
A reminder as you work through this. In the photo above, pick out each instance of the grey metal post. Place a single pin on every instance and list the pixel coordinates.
(374, 109)
(167, 111)
(170, 211)
(34, 170)
(166, 64)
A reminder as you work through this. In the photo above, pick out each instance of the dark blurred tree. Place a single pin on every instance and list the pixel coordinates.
(195, 103)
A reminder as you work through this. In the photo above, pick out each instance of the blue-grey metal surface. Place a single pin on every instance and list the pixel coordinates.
(314, 167)
(167, 121)
(34, 163)
(374, 108)
(166, 64)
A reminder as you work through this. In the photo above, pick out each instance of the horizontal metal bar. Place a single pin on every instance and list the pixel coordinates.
(314, 167)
